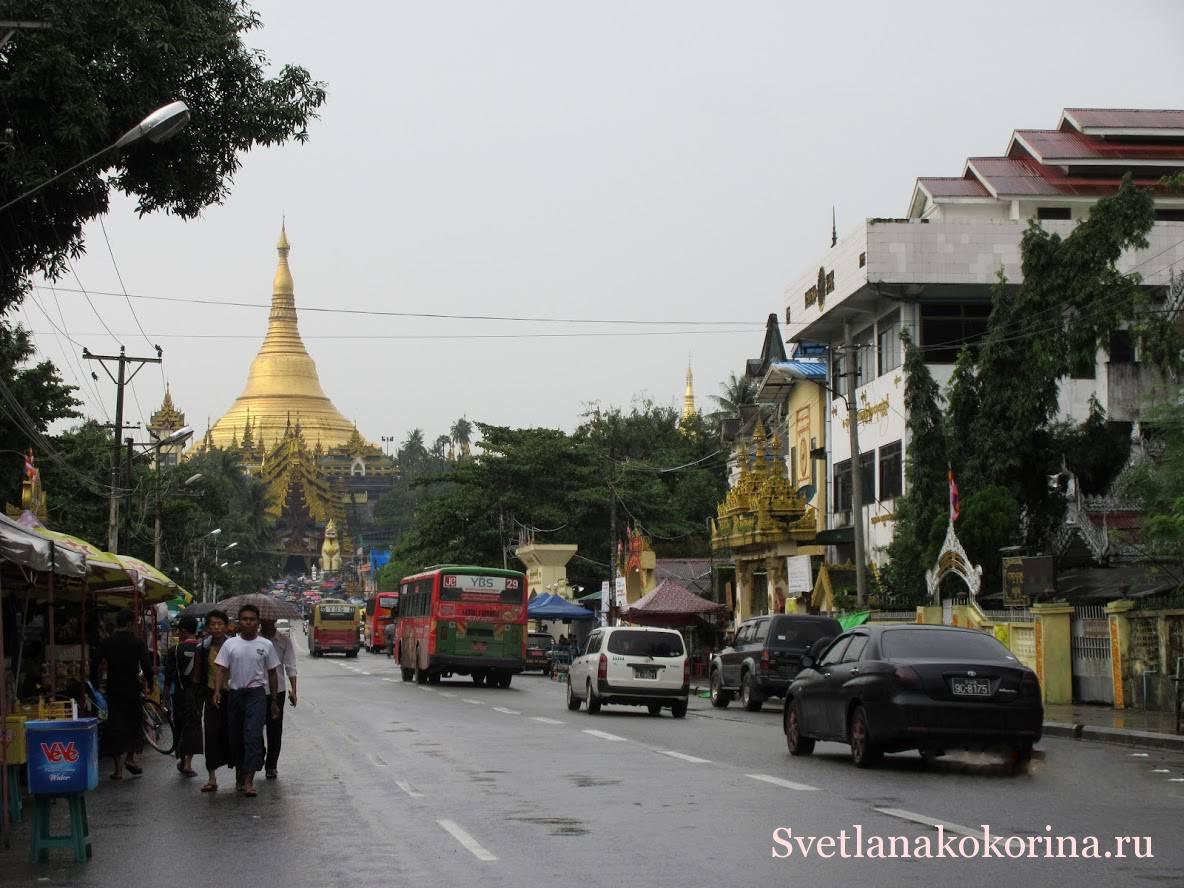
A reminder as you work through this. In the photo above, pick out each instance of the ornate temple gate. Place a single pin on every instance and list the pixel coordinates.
(1090, 645)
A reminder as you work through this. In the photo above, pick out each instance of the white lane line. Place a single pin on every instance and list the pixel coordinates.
(604, 735)
(390, 679)
(788, 784)
(1139, 755)
(682, 755)
(364, 672)
(1176, 780)
(377, 761)
(1161, 770)
(474, 702)
(506, 711)
(546, 721)
(409, 789)
(926, 820)
(446, 694)
(471, 844)
(423, 688)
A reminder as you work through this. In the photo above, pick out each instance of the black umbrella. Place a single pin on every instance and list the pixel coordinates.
(200, 609)
(269, 608)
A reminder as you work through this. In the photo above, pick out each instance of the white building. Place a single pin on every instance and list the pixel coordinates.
(932, 272)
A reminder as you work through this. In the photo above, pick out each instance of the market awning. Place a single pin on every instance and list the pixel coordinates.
(671, 604)
(24, 547)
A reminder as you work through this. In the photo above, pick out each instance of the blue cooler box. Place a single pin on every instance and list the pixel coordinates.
(63, 756)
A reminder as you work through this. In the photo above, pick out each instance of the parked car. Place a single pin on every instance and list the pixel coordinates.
(633, 666)
(764, 657)
(538, 651)
(930, 688)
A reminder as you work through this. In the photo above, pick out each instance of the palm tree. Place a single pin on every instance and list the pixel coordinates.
(737, 392)
(462, 433)
(440, 447)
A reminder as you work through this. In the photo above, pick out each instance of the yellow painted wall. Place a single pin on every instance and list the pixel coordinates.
(805, 412)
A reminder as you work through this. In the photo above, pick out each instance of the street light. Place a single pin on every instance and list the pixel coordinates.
(161, 124)
(193, 479)
(214, 532)
(231, 546)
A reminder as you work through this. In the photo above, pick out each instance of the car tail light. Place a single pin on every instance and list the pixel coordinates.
(686, 670)
(602, 667)
(906, 677)
(764, 661)
(1029, 685)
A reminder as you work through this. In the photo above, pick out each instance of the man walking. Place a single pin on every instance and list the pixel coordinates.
(128, 662)
(182, 677)
(247, 665)
(275, 714)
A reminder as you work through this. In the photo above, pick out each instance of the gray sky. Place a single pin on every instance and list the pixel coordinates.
(666, 161)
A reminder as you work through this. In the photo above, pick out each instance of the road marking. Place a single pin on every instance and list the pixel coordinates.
(546, 721)
(506, 711)
(364, 672)
(1176, 780)
(603, 735)
(695, 760)
(474, 702)
(447, 694)
(1139, 755)
(926, 820)
(423, 687)
(390, 679)
(788, 784)
(409, 789)
(471, 844)
(1161, 770)
(378, 760)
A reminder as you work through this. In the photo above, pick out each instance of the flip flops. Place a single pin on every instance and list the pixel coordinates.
(250, 792)
(210, 787)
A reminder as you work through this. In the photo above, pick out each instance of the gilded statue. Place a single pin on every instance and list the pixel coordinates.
(330, 549)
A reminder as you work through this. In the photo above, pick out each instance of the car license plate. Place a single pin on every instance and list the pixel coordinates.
(971, 687)
(645, 672)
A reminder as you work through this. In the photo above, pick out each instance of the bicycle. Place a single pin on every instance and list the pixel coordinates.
(157, 726)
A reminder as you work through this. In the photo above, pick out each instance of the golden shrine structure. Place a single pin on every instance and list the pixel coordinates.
(320, 472)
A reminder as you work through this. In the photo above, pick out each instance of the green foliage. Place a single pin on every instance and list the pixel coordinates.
(1094, 450)
(71, 90)
(737, 392)
(1158, 482)
(390, 575)
(990, 520)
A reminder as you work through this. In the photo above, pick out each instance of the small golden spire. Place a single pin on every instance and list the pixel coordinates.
(688, 398)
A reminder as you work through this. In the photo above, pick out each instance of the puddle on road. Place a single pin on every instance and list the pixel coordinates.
(585, 780)
(561, 826)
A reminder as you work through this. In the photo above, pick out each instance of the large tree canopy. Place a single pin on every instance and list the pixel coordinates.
(72, 89)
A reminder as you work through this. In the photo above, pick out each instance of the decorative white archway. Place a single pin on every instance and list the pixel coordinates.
(952, 559)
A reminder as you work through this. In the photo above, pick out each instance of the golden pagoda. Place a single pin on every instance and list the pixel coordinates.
(282, 386)
(688, 398)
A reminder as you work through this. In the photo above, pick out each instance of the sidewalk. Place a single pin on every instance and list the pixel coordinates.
(1129, 727)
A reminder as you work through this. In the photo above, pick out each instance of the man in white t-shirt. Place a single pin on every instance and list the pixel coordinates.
(287, 676)
(247, 664)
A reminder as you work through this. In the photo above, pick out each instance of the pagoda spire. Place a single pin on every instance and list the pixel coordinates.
(688, 398)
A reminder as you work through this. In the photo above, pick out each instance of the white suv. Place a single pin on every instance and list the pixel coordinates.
(632, 665)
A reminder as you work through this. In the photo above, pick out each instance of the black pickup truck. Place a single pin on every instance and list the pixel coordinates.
(765, 656)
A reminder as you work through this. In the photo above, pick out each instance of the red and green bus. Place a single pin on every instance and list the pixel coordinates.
(380, 610)
(462, 620)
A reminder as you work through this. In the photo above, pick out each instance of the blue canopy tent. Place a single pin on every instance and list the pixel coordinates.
(554, 607)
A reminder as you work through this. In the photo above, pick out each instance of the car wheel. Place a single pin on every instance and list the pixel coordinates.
(434, 678)
(593, 702)
(750, 697)
(573, 702)
(655, 708)
(679, 708)
(407, 673)
(478, 678)
(1020, 758)
(864, 752)
(719, 697)
(796, 743)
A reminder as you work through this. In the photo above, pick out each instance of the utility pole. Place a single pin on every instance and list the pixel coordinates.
(120, 378)
(851, 370)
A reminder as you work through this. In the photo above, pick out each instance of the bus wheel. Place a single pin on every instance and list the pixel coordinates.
(503, 680)
(421, 675)
(434, 678)
(478, 678)
(408, 673)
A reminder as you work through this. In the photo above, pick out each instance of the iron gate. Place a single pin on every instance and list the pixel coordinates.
(1090, 644)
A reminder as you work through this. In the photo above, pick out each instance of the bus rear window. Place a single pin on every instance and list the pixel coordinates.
(636, 643)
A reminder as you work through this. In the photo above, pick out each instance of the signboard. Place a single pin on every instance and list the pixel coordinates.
(473, 583)
(1013, 583)
(621, 598)
(800, 575)
(388, 600)
(604, 597)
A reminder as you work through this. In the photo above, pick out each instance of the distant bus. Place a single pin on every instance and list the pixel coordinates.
(462, 620)
(380, 612)
(334, 628)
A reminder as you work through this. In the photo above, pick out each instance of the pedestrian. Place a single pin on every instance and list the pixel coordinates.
(286, 674)
(388, 636)
(247, 667)
(215, 738)
(128, 663)
(182, 677)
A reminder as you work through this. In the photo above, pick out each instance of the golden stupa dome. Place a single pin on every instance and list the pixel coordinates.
(282, 386)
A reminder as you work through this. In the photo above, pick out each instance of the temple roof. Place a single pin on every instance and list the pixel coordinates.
(283, 386)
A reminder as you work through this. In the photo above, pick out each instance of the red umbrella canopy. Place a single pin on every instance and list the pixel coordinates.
(269, 608)
(671, 604)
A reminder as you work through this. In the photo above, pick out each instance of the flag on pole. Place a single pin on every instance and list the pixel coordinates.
(954, 512)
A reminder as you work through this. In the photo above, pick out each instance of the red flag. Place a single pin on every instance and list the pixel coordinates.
(954, 513)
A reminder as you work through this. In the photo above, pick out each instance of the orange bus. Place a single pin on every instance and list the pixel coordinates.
(334, 628)
(462, 620)
(380, 612)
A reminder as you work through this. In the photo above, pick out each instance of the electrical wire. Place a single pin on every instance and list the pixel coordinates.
(447, 336)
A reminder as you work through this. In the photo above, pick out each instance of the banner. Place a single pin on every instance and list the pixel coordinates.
(800, 575)
(621, 599)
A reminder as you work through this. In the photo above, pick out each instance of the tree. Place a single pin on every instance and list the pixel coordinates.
(440, 447)
(72, 89)
(737, 392)
(1157, 480)
(461, 435)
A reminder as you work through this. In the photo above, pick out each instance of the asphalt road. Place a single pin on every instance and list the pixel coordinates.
(382, 782)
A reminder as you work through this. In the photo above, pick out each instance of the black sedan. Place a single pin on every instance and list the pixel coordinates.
(930, 688)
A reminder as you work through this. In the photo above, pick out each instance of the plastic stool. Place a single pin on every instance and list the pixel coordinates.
(15, 801)
(77, 838)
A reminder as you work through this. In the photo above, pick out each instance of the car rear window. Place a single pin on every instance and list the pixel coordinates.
(795, 634)
(941, 644)
(637, 643)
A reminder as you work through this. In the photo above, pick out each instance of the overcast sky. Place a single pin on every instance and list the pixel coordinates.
(668, 161)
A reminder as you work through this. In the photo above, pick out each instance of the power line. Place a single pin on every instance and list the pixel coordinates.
(443, 336)
(122, 285)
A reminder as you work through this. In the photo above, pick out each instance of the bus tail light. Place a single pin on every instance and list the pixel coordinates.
(602, 668)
